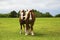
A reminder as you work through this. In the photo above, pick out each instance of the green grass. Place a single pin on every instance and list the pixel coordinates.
(44, 28)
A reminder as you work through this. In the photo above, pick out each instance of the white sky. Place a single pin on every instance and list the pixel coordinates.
(41, 5)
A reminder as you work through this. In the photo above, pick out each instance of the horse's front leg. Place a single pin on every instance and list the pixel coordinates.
(26, 29)
(21, 29)
(32, 33)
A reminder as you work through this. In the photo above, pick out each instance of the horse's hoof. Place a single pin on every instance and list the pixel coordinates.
(32, 34)
(26, 34)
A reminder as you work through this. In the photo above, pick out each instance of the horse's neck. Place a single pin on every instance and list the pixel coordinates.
(30, 15)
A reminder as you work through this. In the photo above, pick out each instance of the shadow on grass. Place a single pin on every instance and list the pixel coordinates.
(50, 33)
(40, 35)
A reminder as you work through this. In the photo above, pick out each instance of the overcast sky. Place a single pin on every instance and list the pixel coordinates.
(52, 6)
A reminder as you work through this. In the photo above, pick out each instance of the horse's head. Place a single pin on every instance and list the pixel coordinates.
(22, 13)
(29, 14)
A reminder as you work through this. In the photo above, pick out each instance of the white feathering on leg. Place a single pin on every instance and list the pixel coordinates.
(32, 33)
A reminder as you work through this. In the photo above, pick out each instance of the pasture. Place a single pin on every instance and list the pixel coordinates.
(44, 28)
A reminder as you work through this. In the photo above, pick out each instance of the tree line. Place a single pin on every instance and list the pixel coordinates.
(14, 14)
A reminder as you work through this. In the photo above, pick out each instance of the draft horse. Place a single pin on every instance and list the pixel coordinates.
(27, 18)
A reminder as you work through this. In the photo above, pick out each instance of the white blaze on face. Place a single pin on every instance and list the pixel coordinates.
(26, 14)
(21, 14)
(30, 16)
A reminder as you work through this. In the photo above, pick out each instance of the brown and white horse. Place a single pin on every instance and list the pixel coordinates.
(28, 18)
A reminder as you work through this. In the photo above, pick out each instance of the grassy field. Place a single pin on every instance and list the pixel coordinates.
(44, 28)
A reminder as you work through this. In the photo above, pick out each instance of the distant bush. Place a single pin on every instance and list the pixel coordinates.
(4, 15)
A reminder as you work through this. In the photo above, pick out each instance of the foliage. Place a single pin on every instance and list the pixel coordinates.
(13, 14)
(4, 15)
(47, 14)
(37, 13)
(18, 14)
(40, 14)
(58, 15)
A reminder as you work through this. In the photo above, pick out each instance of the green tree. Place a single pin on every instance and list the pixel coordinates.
(37, 13)
(13, 14)
(47, 14)
(58, 15)
(18, 14)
